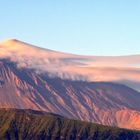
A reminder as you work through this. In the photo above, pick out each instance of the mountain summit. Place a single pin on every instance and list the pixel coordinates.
(12, 43)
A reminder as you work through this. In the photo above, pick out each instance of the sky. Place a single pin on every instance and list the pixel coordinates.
(88, 27)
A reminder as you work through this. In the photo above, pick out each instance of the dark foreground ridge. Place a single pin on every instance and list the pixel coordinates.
(18, 124)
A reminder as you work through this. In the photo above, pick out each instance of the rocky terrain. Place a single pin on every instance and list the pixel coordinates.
(100, 102)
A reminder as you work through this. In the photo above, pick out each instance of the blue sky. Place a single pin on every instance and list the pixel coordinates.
(89, 27)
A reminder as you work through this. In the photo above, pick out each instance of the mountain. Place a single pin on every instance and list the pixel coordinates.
(34, 125)
(69, 85)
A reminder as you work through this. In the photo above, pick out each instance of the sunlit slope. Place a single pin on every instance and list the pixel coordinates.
(101, 102)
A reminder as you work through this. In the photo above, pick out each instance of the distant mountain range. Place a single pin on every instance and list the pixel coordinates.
(34, 125)
(104, 90)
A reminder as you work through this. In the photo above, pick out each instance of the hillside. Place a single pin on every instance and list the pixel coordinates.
(101, 102)
(28, 124)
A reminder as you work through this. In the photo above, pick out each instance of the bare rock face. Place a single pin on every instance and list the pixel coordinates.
(33, 78)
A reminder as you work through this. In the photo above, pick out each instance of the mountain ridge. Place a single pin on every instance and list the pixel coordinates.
(17, 41)
(24, 124)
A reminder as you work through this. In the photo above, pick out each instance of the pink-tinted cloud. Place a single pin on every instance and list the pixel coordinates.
(69, 66)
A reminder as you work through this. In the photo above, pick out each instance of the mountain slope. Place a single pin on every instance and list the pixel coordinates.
(33, 125)
(100, 102)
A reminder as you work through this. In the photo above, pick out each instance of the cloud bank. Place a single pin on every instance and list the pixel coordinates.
(69, 66)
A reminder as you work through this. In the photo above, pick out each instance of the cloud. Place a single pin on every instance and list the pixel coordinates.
(70, 66)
